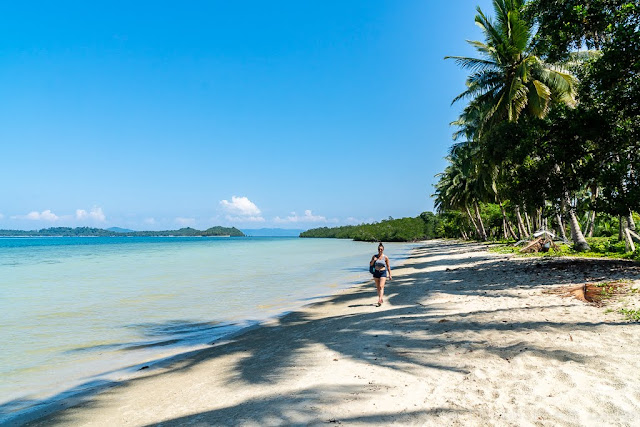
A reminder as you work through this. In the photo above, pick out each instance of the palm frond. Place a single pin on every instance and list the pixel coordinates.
(487, 27)
(520, 32)
(471, 63)
(539, 99)
(563, 84)
(484, 49)
(517, 99)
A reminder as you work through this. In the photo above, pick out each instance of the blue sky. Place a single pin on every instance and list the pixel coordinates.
(292, 114)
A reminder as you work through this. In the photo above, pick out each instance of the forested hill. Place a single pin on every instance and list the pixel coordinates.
(99, 232)
(426, 226)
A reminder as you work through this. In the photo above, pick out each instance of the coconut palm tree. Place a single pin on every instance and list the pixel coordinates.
(509, 78)
(452, 192)
(463, 185)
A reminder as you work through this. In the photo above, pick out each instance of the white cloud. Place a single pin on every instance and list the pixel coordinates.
(240, 206)
(307, 217)
(1, 216)
(241, 209)
(46, 215)
(185, 221)
(149, 221)
(96, 214)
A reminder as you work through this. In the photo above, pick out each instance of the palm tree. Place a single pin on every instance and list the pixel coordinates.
(463, 185)
(509, 79)
(452, 192)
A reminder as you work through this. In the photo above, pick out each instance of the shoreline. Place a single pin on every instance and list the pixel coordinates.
(26, 408)
(434, 352)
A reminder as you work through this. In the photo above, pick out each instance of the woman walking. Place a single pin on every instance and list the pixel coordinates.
(381, 272)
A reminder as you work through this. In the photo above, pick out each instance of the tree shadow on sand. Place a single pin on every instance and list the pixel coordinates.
(299, 409)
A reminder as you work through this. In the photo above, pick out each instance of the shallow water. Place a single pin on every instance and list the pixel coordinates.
(79, 310)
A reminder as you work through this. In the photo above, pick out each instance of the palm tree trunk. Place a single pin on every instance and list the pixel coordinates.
(631, 222)
(620, 227)
(521, 229)
(528, 222)
(591, 225)
(483, 233)
(475, 225)
(506, 224)
(561, 227)
(579, 242)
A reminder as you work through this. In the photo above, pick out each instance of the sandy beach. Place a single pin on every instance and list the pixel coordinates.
(465, 337)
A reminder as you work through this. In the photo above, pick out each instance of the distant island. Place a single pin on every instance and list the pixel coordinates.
(425, 226)
(113, 232)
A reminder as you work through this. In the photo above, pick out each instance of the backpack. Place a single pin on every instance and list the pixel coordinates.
(372, 268)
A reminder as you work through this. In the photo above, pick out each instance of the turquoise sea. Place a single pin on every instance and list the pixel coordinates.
(80, 311)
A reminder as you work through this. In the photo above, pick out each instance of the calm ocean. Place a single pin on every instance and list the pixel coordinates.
(78, 311)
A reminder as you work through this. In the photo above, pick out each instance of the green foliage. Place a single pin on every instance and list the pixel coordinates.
(599, 244)
(451, 224)
(633, 315)
(492, 217)
(609, 89)
(607, 245)
(423, 227)
(601, 247)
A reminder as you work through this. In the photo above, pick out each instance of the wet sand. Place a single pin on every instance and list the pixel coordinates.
(465, 337)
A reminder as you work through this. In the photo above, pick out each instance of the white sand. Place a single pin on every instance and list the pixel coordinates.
(465, 337)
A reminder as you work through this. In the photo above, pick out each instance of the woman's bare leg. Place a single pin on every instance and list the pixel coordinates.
(377, 280)
(381, 289)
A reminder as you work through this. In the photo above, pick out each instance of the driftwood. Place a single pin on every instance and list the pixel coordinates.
(541, 244)
(630, 236)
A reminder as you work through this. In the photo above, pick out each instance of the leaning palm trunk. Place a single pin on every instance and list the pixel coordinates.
(561, 228)
(527, 221)
(591, 225)
(579, 242)
(483, 233)
(521, 228)
(507, 226)
(631, 222)
(473, 221)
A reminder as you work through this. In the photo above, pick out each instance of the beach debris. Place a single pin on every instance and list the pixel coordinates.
(543, 240)
(144, 367)
(593, 293)
(540, 244)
